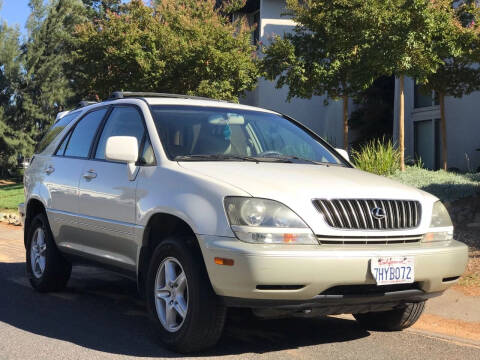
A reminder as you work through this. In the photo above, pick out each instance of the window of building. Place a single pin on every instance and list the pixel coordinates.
(423, 97)
(427, 143)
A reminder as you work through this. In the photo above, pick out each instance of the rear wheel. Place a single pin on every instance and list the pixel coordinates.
(392, 320)
(48, 270)
(180, 298)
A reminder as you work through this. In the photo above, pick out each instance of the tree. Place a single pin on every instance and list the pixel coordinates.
(459, 75)
(10, 139)
(97, 9)
(45, 88)
(329, 51)
(187, 46)
(415, 38)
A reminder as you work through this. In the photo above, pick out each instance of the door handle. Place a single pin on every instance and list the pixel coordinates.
(90, 174)
(50, 169)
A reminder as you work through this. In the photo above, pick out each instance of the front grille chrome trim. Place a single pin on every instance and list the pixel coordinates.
(368, 240)
(356, 214)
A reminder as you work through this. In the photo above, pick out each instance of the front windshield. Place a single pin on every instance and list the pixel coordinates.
(203, 133)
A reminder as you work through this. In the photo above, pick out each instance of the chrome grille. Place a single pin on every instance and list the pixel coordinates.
(357, 213)
(368, 240)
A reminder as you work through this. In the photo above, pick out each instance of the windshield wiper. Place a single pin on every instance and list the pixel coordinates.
(226, 157)
(297, 158)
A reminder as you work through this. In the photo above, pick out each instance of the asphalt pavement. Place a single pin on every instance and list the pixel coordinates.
(100, 316)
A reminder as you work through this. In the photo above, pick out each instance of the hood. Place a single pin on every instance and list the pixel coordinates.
(285, 180)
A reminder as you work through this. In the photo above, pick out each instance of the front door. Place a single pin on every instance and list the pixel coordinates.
(107, 203)
(62, 175)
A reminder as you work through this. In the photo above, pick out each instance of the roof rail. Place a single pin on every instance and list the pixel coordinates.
(84, 103)
(127, 94)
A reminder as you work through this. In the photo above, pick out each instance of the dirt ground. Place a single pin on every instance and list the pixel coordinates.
(6, 182)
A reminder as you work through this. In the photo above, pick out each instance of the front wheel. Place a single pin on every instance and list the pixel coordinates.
(180, 298)
(392, 320)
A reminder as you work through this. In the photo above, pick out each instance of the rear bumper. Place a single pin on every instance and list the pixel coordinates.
(283, 275)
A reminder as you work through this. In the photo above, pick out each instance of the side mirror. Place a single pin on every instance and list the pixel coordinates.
(123, 149)
(344, 154)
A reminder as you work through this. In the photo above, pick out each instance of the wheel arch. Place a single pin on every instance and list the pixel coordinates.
(161, 226)
(34, 206)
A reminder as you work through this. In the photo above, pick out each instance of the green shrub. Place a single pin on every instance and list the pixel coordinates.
(377, 156)
(447, 186)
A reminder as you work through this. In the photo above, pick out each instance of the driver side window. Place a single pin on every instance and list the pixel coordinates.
(280, 139)
(123, 121)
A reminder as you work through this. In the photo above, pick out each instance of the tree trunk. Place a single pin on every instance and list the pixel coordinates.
(345, 122)
(443, 126)
(401, 123)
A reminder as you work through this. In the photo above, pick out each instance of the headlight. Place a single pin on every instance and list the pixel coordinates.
(264, 221)
(440, 225)
(440, 216)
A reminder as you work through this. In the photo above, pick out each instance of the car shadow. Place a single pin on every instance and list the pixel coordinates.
(102, 311)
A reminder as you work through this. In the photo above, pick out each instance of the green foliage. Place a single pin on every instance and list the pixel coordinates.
(328, 52)
(10, 139)
(11, 196)
(447, 186)
(99, 8)
(187, 47)
(459, 74)
(415, 36)
(45, 88)
(377, 156)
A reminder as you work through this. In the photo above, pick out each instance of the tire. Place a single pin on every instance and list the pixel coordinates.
(204, 318)
(392, 320)
(47, 269)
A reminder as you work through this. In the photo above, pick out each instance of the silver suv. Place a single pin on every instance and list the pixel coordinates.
(210, 205)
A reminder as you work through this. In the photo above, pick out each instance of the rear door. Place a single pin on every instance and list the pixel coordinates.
(107, 202)
(62, 175)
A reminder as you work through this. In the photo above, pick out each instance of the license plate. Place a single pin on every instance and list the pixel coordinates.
(393, 270)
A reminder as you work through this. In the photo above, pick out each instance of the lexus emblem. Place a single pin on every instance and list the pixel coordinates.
(378, 213)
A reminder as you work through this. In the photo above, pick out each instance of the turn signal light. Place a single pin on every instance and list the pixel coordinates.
(289, 238)
(223, 261)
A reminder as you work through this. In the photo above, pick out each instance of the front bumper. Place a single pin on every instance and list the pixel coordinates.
(274, 275)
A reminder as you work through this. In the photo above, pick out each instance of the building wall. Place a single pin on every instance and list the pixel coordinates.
(325, 120)
(463, 126)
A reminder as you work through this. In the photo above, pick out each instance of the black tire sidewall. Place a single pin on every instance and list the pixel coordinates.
(54, 263)
(199, 289)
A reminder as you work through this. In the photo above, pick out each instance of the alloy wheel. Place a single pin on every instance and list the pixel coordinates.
(38, 253)
(171, 294)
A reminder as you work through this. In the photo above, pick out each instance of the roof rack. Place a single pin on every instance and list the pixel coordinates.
(84, 103)
(133, 94)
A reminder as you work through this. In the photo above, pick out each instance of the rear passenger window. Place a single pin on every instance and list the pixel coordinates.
(83, 134)
(123, 121)
(54, 130)
(63, 145)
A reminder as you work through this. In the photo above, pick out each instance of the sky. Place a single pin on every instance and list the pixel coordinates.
(15, 12)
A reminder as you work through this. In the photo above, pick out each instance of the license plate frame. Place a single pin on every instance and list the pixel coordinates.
(390, 270)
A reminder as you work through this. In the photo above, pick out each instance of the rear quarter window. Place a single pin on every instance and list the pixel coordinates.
(54, 130)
